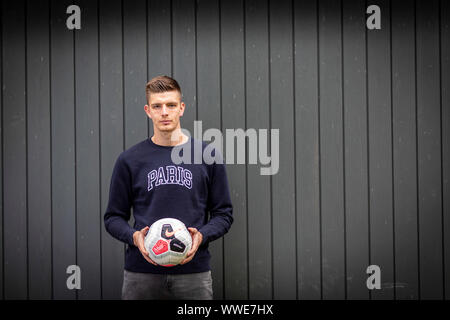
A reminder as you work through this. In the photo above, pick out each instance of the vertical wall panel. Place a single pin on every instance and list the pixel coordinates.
(404, 151)
(282, 118)
(159, 36)
(14, 152)
(258, 186)
(159, 42)
(445, 134)
(209, 101)
(111, 134)
(307, 149)
(39, 165)
(233, 117)
(355, 152)
(89, 220)
(429, 151)
(331, 151)
(135, 71)
(380, 153)
(208, 71)
(184, 57)
(63, 150)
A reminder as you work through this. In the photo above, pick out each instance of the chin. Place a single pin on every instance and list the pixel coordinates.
(167, 129)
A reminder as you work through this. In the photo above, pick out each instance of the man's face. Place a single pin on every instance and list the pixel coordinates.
(165, 110)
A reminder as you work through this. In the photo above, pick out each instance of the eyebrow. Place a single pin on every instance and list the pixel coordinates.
(158, 103)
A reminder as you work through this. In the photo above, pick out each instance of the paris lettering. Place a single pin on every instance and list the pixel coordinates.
(169, 175)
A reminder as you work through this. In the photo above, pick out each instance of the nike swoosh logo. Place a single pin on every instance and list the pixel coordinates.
(170, 234)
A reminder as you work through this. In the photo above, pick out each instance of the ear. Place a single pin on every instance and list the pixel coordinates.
(147, 111)
(183, 106)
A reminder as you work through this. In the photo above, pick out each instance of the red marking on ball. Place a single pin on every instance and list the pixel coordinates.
(160, 247)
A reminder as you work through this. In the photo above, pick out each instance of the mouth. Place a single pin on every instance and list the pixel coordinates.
(166, 121)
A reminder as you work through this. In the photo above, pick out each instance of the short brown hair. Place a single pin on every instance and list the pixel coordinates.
(161, 84)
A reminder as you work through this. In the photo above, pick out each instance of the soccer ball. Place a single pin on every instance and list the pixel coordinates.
(168, 241)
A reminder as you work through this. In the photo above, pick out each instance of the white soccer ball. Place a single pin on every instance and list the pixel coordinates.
(168, 241)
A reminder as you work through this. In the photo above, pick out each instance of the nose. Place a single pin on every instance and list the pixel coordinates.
(164, 109)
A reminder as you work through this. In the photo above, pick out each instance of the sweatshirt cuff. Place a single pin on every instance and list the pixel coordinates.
(205, 236)
(130, 240)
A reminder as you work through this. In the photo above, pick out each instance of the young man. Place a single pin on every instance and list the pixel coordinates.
(146, 179)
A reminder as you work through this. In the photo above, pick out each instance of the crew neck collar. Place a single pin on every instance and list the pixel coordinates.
(167, 147)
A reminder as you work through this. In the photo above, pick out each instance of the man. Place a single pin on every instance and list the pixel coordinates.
(146, 179)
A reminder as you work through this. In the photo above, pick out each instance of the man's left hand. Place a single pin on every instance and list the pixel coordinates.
(197, 239)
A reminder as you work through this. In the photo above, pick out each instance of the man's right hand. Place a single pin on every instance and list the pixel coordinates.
(138, 239)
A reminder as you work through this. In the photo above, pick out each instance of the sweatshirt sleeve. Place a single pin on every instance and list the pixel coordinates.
(119, 205)
(219, 205)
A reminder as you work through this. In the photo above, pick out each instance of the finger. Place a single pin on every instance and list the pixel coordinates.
(150, 260)
(186, 260)
(145, 253)
(194, 246)
(146, 256)
(143, 249)
(145, 230)
(192, 230)
(190, 254)
(198, 238)
(192, 251)
(197, 241)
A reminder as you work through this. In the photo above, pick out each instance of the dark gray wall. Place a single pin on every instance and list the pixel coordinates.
(364, 119)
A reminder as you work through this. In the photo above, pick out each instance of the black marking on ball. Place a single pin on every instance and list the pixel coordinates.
(177, 246)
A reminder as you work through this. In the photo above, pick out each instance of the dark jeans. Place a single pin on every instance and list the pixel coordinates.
(146, 286)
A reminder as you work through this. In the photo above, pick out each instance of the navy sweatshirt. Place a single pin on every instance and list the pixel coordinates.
(145, 179)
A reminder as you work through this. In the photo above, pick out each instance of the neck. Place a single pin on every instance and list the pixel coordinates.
(169, 138)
